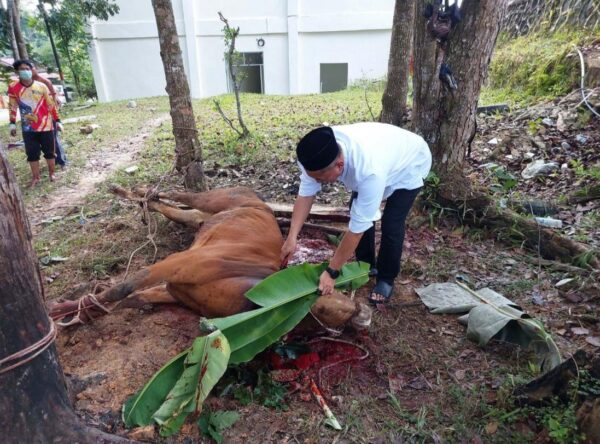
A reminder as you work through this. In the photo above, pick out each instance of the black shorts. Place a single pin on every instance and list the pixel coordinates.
(37, 142)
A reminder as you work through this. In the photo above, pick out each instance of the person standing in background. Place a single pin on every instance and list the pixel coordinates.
(38, 114)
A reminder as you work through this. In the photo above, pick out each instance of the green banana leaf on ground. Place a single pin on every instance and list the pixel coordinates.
(180, 387)
(492, 316)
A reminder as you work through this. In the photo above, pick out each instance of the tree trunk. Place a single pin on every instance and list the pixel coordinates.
(18, 34)
(188, 151)
(396, 89)
(10, 12)
(445, 117)
(446, 120)
(34, 403)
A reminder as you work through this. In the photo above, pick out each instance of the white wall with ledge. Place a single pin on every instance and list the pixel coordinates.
(298, 36)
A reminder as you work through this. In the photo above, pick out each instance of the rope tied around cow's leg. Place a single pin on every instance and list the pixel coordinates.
(83, 305)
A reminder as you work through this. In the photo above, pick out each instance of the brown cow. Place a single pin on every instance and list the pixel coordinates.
(237, 245)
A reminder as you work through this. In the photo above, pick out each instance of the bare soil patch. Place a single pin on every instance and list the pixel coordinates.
(104, 161)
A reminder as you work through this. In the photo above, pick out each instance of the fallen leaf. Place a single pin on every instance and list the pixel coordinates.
(491, 428)
(580, 331)
(396, 382)
(594, 340)
(460, 374)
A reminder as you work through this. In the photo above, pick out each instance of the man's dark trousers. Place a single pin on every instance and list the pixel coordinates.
(393, 223)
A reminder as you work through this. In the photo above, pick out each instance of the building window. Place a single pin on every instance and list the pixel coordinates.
(249, 73)
(334, 77)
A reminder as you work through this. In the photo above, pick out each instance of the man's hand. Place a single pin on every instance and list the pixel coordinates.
(59, 127)
(326, 283)
(13, 129)
(289, 246)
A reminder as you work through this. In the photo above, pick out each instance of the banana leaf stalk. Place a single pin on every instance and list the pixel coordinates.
(331, 419)
(535, 334)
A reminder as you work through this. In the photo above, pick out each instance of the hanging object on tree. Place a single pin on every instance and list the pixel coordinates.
(441, 18)
(447, 77)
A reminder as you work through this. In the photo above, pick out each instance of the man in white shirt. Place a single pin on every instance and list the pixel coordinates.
(377, 162)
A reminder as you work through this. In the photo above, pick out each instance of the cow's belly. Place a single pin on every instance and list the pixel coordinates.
(223, 297)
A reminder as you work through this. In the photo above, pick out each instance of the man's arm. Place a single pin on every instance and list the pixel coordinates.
(13, 106)
(301, 211)
(345, 249)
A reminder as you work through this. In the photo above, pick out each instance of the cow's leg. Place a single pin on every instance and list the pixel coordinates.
(214, 201)
(192, 218)
(153, 295)
(91, 306)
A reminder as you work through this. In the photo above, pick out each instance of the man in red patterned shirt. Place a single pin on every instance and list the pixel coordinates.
(38, 114)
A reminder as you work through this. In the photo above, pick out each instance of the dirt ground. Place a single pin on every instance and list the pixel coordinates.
(423, 381)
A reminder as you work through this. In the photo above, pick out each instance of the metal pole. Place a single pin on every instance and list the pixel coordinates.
(54, 51)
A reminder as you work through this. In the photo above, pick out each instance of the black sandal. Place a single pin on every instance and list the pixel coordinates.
(384, 289)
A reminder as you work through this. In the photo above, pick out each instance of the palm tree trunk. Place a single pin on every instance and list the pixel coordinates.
(396, 89)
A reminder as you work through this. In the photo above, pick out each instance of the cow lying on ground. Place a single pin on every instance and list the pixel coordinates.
(238, 244)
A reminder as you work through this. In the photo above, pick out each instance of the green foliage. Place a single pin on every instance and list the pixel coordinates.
(533, 67)
(187, 384)
(270, 393)
(68, 21)
(593, 172)
(505, 180)
(138, 410)
(213, 423)
(560, 421)
(284, 299)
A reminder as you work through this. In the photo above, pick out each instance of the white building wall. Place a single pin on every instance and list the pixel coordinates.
(298, 36)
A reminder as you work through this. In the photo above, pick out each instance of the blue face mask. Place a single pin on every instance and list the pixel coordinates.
(25, 75)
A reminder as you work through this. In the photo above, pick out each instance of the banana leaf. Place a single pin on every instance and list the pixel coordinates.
(301, 280)
(286, 298)
(204, 365)
(180, 387)
(492, 316)
(138, 409)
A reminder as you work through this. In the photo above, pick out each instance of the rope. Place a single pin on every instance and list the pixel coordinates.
(582, 61)
(33, 351)
(83, 304)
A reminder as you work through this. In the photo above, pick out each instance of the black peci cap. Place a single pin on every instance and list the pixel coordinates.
(318, 149)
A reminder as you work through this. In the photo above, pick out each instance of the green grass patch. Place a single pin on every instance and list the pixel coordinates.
(534, 67)
(117, 123)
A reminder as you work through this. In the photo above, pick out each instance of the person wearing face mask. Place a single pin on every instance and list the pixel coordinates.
(38, 115)
(376, 162)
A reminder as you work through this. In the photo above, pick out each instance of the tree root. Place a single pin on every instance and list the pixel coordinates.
(477, 208)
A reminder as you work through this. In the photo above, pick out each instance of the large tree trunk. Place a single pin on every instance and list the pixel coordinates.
(445, 117)
(396, 88)
(18, 34)
(446, 120)
(10, 12)
(187, 147)
(34, 404)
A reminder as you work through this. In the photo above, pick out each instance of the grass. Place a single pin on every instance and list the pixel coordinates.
(534, 67)
(116, 121)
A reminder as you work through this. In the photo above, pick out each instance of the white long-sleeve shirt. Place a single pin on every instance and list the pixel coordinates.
(378, 160)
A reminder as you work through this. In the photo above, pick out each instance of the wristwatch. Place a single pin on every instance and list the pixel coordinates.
(333, 273)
